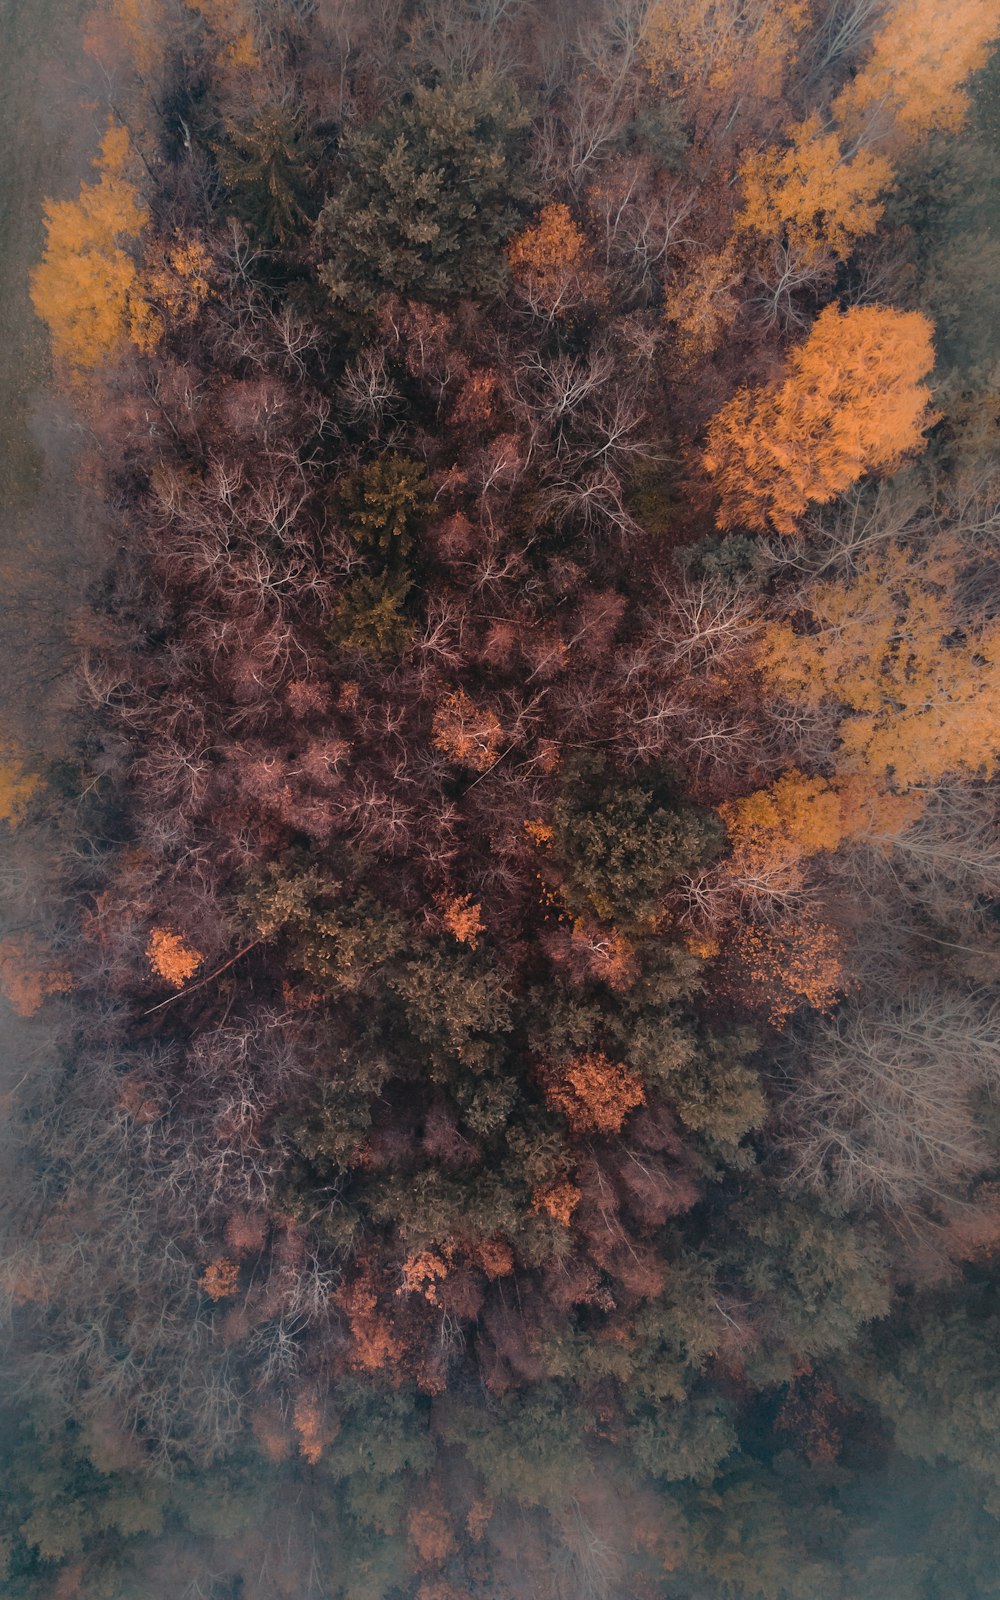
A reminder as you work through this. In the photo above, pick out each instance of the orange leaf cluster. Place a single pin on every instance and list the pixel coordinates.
(776, 827)
(17, 787)
(423, 1270)
(799, 962)
(853, 402)
(923, 52)
(495, 1257)
(594, 1094)
(221, 1278)
(550, 262)
(722, 47)
(701, 302)
(467, 733)
(314, 1429)
(371, 1330)
(462, 917)
(86, 287)
(812, 195)
(171, 957)
(557, 1200)
(920, 692)
(431, 1533)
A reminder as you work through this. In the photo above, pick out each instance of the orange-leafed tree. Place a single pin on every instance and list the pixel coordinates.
(796, 961)
(594, 1094)
(853, 401)
(86, 286)
(462, 916)
(171, 957)
(221, 1278)
(811, 194)
(913, 82)
(468, 733)
(918, 684)
(551, 263)
(798, 816)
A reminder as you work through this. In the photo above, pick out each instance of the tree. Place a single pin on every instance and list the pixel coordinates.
(811, 195)
(885, 1108)
(620, 841)
(429, 198)
(912, 83)
(917, 680)
(714, 52)
(268, 164)
(86, 286)
(593, 1093)
(550, 263)
(852, 402)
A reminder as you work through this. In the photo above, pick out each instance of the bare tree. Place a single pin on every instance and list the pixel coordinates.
(885, 1109)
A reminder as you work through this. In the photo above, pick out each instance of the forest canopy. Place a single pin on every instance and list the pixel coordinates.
(514, 948)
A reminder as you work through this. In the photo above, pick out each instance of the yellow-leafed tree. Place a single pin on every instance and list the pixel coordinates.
(86, 286)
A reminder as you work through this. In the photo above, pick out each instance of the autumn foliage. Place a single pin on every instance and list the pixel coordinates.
(853, 402)
(512, 922)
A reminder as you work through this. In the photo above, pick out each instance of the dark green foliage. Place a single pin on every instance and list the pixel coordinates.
(268, 163)
(429, 197)
(717, 1095)
(685, 1439)
(371, 617)
(456, 1005)
(817, 1277)
(335, 940)
(621, 840)
(386, 502)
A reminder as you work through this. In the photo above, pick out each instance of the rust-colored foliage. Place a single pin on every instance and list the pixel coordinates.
(462, 916)
(853, 402)
(594, 1094)
(431, 1532)
(798, 961)
(314, 1428)
(423, 1271)
(701, 302)
(374, 1343)
(221, 1278)
(468, 734)
(717, 48)
(557, 1200)
(551, 262)
(29, 975)
(171, 957)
